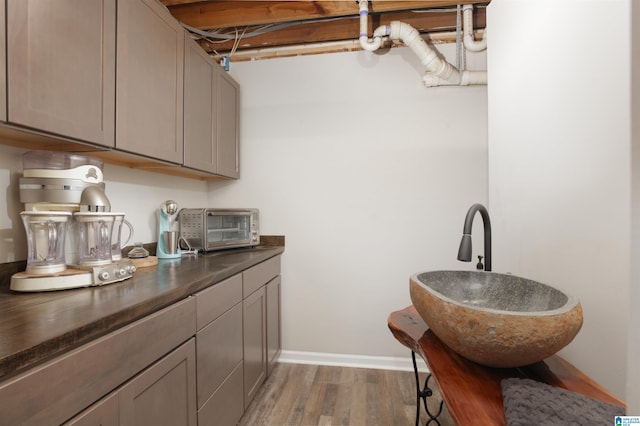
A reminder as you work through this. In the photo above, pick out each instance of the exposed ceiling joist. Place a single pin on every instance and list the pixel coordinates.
(310, 22)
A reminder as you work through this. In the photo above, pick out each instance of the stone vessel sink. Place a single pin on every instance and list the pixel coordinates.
(496, 320)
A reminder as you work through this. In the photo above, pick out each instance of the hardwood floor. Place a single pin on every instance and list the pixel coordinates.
(307, 395)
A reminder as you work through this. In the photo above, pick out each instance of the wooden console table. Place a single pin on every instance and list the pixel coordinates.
(471, 391)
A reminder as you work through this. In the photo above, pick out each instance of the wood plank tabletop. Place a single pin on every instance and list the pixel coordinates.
(472, 392)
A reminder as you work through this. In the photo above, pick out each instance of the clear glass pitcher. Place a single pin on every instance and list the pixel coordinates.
(95, 237)
(116, 236)
(45, 240)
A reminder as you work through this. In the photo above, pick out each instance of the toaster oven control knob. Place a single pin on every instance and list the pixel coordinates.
(104, 275)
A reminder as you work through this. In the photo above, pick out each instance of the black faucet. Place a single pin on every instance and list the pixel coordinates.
(464, 252)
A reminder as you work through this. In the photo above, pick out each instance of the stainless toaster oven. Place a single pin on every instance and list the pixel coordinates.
(208, 229)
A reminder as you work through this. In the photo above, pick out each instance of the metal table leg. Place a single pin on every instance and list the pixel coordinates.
(422, 394)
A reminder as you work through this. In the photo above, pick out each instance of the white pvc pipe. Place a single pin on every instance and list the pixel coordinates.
(364, 30)
(470, 42)
(438, 71)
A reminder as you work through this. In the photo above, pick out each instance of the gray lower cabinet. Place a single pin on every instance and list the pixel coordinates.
(255, 341)
(274, 344)
(219, 353)
(255, 316)
(104, 413)
(3, 63)
(232, 341)
(162, 395)
(154, 371)
(57, 390)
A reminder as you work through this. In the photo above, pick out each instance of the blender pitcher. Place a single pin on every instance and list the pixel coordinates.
(116, 238)
(95, 237)
(45, 240)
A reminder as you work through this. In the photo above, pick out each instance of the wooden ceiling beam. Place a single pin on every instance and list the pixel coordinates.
(347, 29)
(224, 14)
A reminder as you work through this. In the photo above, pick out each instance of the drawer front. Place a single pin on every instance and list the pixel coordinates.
(57, 390)
(225, 407)
(257, 276)
(219, 350)
(217, 299)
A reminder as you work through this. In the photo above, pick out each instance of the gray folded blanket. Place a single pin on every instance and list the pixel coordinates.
(528, 403)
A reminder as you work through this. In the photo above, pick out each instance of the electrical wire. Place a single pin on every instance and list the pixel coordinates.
(215, 36)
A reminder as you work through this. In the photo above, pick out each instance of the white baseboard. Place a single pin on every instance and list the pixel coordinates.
(356, 361)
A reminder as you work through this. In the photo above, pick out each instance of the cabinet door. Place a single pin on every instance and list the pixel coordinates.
(150, 74)
(164, 394)
(200, 103)
(56, 390)
(228, 125)
(255, 357)
(103, 413)
(219, 352)
(273, 323)
(61, 67)
(226, 406)
(3, 64)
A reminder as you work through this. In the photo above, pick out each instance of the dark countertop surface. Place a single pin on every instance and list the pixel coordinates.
(35, 327)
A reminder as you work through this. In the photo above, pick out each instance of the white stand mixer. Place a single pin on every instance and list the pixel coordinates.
(65, 188)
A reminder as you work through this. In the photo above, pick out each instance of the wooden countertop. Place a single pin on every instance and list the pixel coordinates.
(471, 391)
(35, 327)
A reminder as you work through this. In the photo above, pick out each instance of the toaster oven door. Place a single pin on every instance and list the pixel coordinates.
(224, 229)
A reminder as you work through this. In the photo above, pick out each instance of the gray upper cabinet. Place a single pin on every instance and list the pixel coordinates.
(210, 114)
(200, 109)
(150, 73)
(61, 67)
(228, 125)
(120, 78)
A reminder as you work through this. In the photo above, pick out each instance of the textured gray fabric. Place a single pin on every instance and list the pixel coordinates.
(528, 403)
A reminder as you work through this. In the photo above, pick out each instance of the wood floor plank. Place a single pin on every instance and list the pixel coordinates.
(313, 395)
(313, 405)
(342, 408)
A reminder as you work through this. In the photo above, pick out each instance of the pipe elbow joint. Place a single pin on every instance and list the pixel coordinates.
(473, 45)
(370, 44)
(472, 78)
(470, 43)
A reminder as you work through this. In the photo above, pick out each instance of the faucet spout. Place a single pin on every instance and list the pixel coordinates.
(464, 251)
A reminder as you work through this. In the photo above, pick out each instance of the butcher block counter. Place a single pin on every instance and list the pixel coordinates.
(35, 327)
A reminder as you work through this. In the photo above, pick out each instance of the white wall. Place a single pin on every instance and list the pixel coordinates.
(368, 174)
(559, 170)
(13, 241)
(137, 194)
(140, 194)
